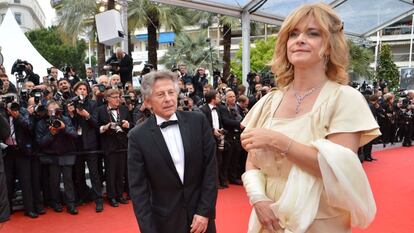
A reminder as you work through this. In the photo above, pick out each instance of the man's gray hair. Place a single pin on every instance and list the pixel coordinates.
(149, 79)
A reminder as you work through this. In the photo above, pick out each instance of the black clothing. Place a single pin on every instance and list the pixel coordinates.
(161, 201)
(125, 67)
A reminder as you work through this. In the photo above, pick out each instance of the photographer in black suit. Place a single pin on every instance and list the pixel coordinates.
(171, 164)
(56, 138)
(4, 200)
(80, 110)
(17, 159)
(120, 63)
(114, 123)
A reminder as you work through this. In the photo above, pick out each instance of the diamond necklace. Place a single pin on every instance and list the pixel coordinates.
(300, 99)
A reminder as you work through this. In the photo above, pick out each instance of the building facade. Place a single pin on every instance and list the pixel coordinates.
(28, 13)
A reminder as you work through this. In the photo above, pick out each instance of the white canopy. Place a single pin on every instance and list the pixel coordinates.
(15, 45)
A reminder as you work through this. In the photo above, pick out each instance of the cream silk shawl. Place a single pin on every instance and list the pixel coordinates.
(338, 108)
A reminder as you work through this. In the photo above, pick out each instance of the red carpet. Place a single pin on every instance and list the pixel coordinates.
(391, 177)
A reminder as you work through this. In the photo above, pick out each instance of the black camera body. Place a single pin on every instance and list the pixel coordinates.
(101, 88)
(78, 102)
(55, 119)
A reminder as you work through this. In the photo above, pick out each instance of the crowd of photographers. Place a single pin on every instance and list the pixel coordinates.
(60, 126)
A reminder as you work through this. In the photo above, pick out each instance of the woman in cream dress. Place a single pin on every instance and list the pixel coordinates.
(302, 172)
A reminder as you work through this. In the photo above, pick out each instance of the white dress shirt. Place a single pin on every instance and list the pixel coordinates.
(214, 117)
(172, 137)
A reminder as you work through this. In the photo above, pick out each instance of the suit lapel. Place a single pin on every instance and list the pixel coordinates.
(162, 146)
(186, 138)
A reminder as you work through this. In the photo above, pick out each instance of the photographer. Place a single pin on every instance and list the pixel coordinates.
(199, 81)
(231, 119)
(70, 74)
(212, 111)
(80, 109)
(18, 153)
(99, 90)
(6, 87)
(56, 138)
(30, 75)
(90, 78)
(114, 123)
(184, 74)
(115, 82)
(64, 92)
(120, 63)
(4, 200)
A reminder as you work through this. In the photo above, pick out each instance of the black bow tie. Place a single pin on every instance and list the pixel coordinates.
(113, 109)
(168, 123)
(214, 108)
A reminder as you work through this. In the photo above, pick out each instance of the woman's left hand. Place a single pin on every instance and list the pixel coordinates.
(260, 139)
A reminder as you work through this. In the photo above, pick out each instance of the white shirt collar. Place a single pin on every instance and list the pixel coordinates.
(212, 106)
(160, 120)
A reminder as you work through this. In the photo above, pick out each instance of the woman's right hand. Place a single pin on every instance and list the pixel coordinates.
(267, 218)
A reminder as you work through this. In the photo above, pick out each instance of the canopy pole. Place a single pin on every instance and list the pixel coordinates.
(246, 46)
(411, 40)
(376, 51)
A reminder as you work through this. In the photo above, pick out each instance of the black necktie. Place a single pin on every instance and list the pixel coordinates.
(168, 123)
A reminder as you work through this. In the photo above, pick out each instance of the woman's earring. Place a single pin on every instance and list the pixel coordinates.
(326, 61)
(288, 66)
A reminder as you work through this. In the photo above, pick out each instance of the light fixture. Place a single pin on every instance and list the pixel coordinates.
(118, 7)
(102, 8)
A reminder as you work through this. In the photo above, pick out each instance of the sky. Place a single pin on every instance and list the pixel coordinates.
(48, 11)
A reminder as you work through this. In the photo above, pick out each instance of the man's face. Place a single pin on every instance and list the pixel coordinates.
(104, 81)
(163, 99)
(6, 82)
(82, 91)
(29, 85)
(119, 54)
(216, 100)
(201, 71)
(190, 88)
(258, 87)
(115, 80)
(230, 98)
(183, 70)
(89, 73)
(64, 86)
(244, 104)
(52, 108)
(114, 100)
(54, 73)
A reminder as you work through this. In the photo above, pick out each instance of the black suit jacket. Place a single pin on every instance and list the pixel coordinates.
(89, 135)
(162, 203)
(110, 140)
(125, 67)
(207, 112)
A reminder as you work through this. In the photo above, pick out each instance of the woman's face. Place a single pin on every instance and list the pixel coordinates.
(305, 43)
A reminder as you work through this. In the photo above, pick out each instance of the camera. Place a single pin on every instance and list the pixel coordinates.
(37, 96)
(116, 127)
(9, 101)
(54, 119)
(101, 88)
(78, 102)
(119, 85)
(25, 94)
(221, 141)
(19, 66)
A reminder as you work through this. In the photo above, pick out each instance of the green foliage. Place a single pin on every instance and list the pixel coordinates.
(260, 56)
(359, 61)
(387, 69)
(192, 51)
(50, 45)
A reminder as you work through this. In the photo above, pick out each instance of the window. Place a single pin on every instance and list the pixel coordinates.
(18, 17)
(16, 1)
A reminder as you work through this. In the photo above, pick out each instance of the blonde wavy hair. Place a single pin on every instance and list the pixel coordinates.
(332, 35)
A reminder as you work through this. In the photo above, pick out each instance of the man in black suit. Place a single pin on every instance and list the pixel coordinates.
(80, 111)
(171, 164)
(212, 110)
(17, 159)
(114, 122)
(4, 200)
(123, 67)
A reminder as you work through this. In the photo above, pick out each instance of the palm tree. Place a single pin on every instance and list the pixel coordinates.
(78, 18)
(194, 51)
(143, 13)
